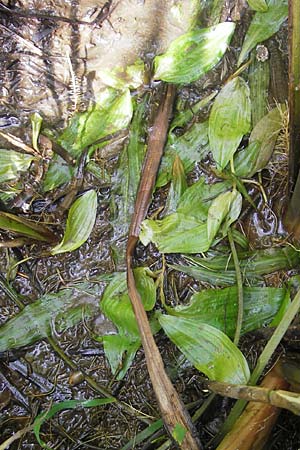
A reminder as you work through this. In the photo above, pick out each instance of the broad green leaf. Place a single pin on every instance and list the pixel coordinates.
(191, 147)
(259, 81)
(80, 222)
(193, 54)
(220, 271)
(229, 120)
(176, 233)
(112, 112)
(124, 77)
(177, 187)
(179, 433)
(234, 211)
(120, 349)
(226, 205)
(263, 26)
(207, 348)
(12, 163)
(219, 308)
(67, 404)
(36, 123)
(25, 227)
(258, 5)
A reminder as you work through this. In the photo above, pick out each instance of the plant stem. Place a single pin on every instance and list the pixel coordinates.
(239, 282)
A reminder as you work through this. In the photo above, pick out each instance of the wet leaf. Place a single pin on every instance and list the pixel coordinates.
(112, 112)
(124, 77)
(80, 222)
(36, 123)
(263, 26)
(120, 349)
(177, 187)
(193, 54)
(12, 163)
(207, 348)
(191, 147)
(227, 205)
(67, 404)
(229, 121)
(219, 308)
(259, 81)
(25, 227)
(176, 233)
(258, 5)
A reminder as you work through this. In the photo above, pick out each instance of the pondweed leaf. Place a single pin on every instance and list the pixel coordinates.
(193, 54)
(25, 227)
(229, 120)
(227, 205)
(67, 404)
(207, 348)
(263, 26)
(219, 308)
(258, 5)
(80, 222)
(12, 163)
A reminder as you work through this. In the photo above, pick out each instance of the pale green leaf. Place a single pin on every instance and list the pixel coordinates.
(124, 77)
(177, 187)
(12, 163)
(80, 222)
(193, 54)
(263, 26)
(226, 205)
(219, 308)
(234, 211)
(25, 227)
(229, 121)
(36, 123)
(207, 348)
(258, 5)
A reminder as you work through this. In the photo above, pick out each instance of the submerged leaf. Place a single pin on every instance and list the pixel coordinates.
(124, 77)
(25, 227)
(80, 222)
(67, 404)
(208, 349)
(219, 308)
(229, 121)
(193, 54)
(263, 26)
(12, 163)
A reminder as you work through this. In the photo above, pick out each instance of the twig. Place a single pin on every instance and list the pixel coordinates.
(171, 407)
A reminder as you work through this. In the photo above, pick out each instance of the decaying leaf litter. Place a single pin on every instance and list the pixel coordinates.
(200, 221)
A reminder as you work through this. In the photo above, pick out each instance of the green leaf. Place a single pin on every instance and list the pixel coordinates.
(258, 5)
(219, 308)
(176, 233)
(177, 187)
(179, 433)
(116, 305)
(193, 54)
(12, 163)
(124, 77)
(68, 404)
(36, 123)
(207, 348)
(263, 26)
(191, 147)
(25, 227)
(227, 205)
(229, 120)
(80, 222)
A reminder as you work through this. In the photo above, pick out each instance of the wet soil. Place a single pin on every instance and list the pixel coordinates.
(35, 75)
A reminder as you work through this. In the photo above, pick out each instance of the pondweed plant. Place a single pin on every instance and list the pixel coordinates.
(197, 218)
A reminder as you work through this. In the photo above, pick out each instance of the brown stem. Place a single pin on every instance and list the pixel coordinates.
(171, 407)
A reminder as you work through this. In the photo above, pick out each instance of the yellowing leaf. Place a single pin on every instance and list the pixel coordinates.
(80, 222)
(193, 54)
(229, 120)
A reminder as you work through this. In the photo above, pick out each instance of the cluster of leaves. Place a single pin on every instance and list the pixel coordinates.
(196, 218)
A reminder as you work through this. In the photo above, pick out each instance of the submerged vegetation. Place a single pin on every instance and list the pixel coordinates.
(219, 152)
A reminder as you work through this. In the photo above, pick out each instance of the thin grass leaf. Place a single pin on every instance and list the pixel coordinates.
(229, 120)
(12, 163)
(208, 349)
(67, 404)
(25, 227)
(193, 54)
(219, 308)
(80, 222)
(263, 26)
(258, 5)
(143, 435)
